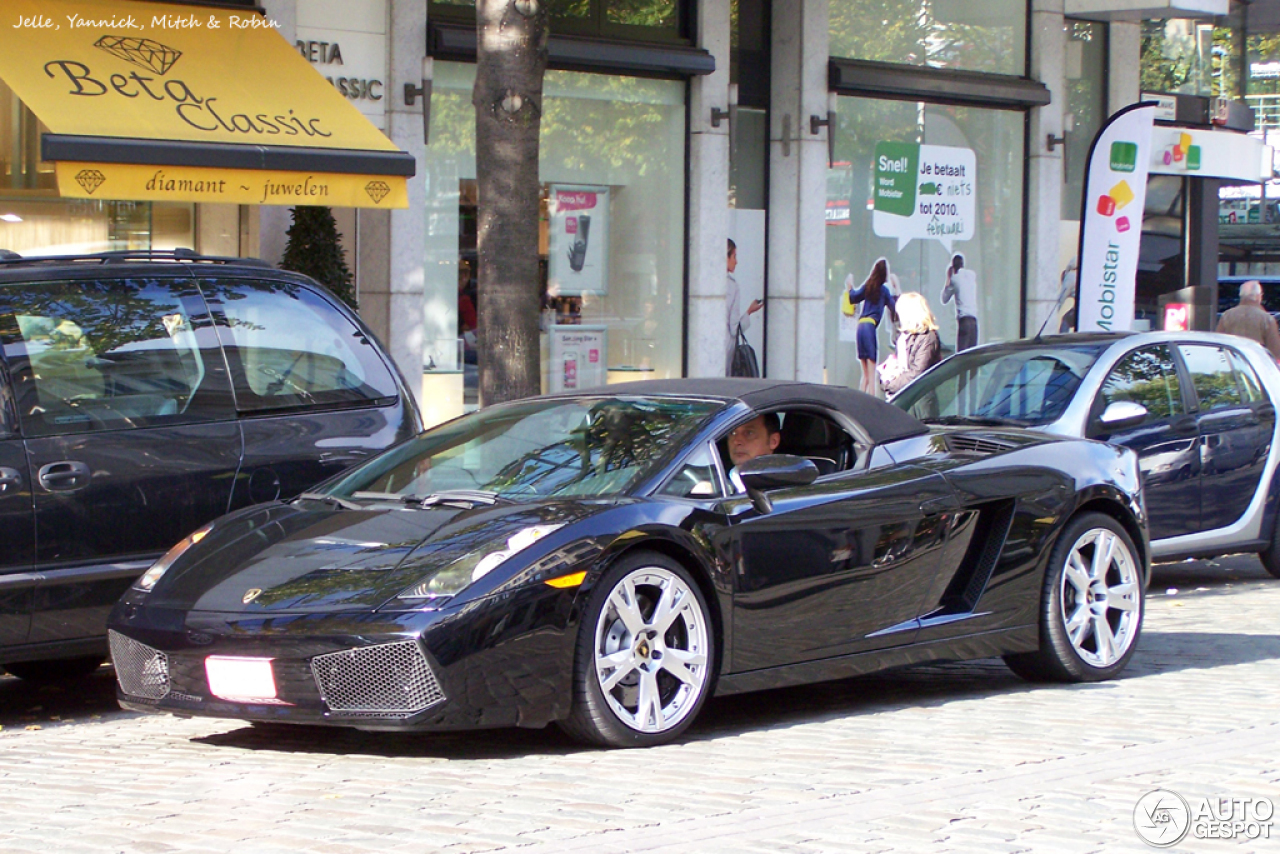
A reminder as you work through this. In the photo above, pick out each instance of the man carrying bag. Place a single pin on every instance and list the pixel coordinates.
(744, 362)
(740, 357)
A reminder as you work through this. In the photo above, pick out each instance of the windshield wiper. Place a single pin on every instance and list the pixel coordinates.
(991, 420)
(469, 497)
(331, 499)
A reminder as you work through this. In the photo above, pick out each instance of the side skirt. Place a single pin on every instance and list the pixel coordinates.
(985, 645)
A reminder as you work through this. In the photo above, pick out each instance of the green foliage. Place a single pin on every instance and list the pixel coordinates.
(315, 249)
(921, 32)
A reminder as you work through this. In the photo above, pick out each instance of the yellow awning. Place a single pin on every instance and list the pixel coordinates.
(152, 101)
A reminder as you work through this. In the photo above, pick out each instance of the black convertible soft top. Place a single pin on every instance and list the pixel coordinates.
(882, 422)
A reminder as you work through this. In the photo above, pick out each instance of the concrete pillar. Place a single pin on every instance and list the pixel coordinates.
(1044, 167)
(708, 199)
(274, 220)
(392, 242)
(794, 311)
(1124, 64)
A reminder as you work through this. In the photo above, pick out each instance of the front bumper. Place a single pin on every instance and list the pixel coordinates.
(468, 668)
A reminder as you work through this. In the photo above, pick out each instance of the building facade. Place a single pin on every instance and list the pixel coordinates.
(819, 135)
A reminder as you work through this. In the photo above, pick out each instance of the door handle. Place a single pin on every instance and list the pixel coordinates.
(9, 477)
(64, 476)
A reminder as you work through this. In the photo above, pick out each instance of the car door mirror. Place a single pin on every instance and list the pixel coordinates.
(774, 471)
(1121, 415)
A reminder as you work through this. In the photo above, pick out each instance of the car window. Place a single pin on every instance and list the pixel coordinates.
(697, 478)
(290, 347)
(1148, 377)
(1249, 384)
(110, 354)
(565, 446)
(1031, 385)
(1211, 376)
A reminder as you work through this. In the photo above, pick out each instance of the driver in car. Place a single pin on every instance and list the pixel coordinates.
(757, 437)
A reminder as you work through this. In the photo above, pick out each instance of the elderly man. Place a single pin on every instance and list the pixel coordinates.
(1250, 320)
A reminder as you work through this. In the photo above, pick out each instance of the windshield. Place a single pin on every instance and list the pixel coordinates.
(1026, 385)
(567, 447)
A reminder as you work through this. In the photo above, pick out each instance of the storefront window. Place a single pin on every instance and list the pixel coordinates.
(645, 20)
(957, 34)
(1085, 71)
(35, 221)
(1192, 56)
(612, 234)
(951, 185)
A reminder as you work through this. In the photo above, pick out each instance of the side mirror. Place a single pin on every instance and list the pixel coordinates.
(774, 471)
(1122, 414)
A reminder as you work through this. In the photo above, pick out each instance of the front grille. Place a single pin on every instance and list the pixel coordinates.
(140, 670)
(391, 679)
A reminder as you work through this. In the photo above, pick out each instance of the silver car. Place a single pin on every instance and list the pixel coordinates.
(1197, 407)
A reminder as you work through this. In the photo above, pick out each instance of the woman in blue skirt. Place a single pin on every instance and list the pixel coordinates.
(875, 296)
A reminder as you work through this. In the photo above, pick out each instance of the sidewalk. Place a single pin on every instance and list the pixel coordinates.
(961, 757)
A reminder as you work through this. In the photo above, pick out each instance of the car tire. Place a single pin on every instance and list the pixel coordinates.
(56, 669)
(1091, 605)
(645, 660)
(1270, 557)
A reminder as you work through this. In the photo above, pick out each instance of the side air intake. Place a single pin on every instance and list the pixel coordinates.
(140, 670)
(961, 443)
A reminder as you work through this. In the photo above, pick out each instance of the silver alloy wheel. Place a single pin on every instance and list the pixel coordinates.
(651, 642)
(1101, 597)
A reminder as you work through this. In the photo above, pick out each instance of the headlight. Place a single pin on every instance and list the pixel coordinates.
(160, 567)
(462, 572)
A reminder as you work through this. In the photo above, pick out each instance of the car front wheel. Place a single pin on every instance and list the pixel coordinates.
(646, 655)
(1091, 605)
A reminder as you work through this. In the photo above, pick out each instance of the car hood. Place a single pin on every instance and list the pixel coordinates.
(306, 559)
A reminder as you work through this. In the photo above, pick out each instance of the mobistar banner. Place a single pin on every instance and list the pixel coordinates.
(1111, 220)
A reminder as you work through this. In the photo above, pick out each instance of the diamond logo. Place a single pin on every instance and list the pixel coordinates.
(144, 53)
(90, 179)
(377, 190)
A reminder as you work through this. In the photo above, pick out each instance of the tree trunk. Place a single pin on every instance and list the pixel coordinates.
(511, 57)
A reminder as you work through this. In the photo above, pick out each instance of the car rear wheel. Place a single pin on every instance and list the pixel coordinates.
(55, 670)
(646, 655)
(1270, 557)
(1091, 605)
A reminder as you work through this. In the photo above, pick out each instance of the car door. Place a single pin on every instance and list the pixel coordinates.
(313, 392)
(125, 408)
(1167, 442)
(17, 526)
(836, 567)
(1236, 423)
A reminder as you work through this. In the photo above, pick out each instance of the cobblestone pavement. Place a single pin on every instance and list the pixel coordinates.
(959, 757)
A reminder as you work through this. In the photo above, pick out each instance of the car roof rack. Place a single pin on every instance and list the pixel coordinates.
(124, 256)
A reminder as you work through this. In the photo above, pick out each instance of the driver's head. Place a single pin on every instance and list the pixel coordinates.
(757, 437)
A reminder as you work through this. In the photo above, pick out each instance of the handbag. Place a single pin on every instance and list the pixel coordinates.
(744, 362)
(847, 308)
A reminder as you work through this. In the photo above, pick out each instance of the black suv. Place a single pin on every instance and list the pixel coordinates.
(145, 394)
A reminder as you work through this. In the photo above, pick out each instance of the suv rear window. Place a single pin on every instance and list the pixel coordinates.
(111, 354)
(289, 347)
